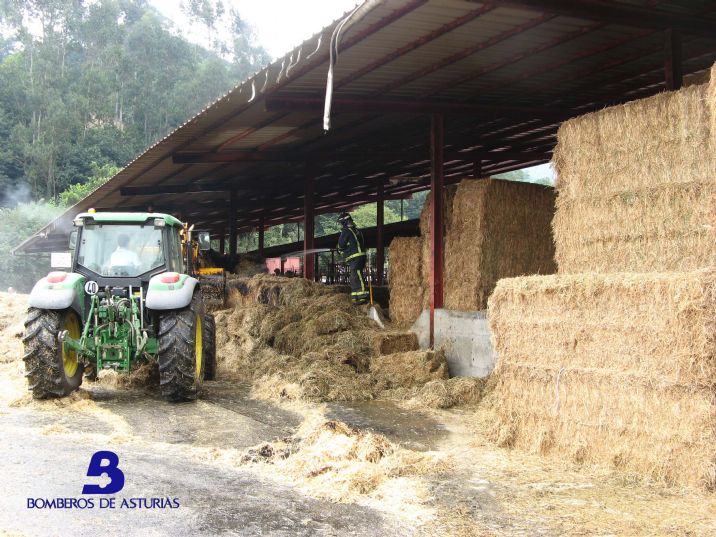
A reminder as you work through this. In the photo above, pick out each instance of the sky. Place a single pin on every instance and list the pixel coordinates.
(281, 25)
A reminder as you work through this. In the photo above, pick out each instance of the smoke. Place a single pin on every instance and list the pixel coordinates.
(14, 195)
(20, 217)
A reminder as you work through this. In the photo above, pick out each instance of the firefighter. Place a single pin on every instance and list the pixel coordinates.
(351, 247)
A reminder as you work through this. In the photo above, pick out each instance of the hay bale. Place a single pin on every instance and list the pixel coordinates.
(405, 267)
(637, 145)
(449, 192)
(656, 229)
(610, 368)
(405, 280)
(392, 341)
(406, 369)
(498, 229)
(711, 99)
(406, 304)
(637, 185)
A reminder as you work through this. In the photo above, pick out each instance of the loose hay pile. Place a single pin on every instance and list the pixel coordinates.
(334, 461)
(296, 340)
(637, 186)
(610, 368)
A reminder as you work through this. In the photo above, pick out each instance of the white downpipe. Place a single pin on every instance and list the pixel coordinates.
(354, 16)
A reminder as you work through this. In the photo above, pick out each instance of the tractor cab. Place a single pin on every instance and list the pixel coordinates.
(130, 247)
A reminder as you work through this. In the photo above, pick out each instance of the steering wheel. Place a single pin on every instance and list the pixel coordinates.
(120, 270)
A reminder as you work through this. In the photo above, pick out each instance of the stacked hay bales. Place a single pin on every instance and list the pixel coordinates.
(615, 368)
(637, 187)
(498, 229)
(493, 229)
(449, 193)
(407, 290)
(613, 361)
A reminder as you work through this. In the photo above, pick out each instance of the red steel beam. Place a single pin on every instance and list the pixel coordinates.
(232, 228)
(309, 220)
(673, 69)
(379, 248)
(409, 106)
(261, 235)
(436, 219)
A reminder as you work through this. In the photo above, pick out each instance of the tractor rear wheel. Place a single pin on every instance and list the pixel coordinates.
(181, 357)
(209, 347)
(51, 371)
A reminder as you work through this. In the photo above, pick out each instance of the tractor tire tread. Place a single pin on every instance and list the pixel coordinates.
(209, 347)
(177, 368)
(44, 373)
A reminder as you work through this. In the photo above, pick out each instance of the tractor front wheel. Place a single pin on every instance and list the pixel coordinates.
(51, 371)
(181, 357)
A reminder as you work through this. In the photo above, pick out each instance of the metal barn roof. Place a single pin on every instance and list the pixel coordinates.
(504, 74)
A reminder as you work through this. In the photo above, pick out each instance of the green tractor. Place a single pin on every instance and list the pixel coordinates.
(131, 296)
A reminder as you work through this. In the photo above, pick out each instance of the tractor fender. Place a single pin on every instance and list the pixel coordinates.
(58, 291)
(163, 295)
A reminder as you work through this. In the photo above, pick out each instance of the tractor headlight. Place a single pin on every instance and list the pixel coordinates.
(159, 222)
(78, 222)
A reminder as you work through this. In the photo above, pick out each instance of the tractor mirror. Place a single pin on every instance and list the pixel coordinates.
(204, 241)
(73, 239)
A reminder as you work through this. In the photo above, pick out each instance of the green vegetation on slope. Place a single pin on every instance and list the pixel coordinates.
(98, 82)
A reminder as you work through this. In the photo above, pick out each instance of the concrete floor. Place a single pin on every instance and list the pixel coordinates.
(46, 452)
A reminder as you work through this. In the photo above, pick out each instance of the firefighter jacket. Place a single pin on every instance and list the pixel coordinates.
(350, 243)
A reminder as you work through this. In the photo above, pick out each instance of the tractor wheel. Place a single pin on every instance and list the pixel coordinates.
(209, 347)
(181, 358)
(50, 370)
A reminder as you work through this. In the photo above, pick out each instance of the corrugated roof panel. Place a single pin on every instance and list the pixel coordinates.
(533, 58)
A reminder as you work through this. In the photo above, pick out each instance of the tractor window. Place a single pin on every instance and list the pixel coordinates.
(121, 249)
(175, 262)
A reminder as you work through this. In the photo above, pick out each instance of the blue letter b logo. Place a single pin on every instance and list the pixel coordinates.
(96, 469)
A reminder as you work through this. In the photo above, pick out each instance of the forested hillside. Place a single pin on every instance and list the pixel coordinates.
(85, 85)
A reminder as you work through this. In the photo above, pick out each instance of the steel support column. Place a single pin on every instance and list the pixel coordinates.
(261, 236)
(436, 219)
(673, 70)
(379, 248)
(232, 229)
(477, 169)
(308, 229)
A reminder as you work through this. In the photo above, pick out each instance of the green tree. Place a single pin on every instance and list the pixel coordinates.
(78, 191)
(96, 82)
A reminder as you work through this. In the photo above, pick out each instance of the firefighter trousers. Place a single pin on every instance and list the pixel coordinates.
(359, 289)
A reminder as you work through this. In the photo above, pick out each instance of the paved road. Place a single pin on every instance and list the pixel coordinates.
(46, 452)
